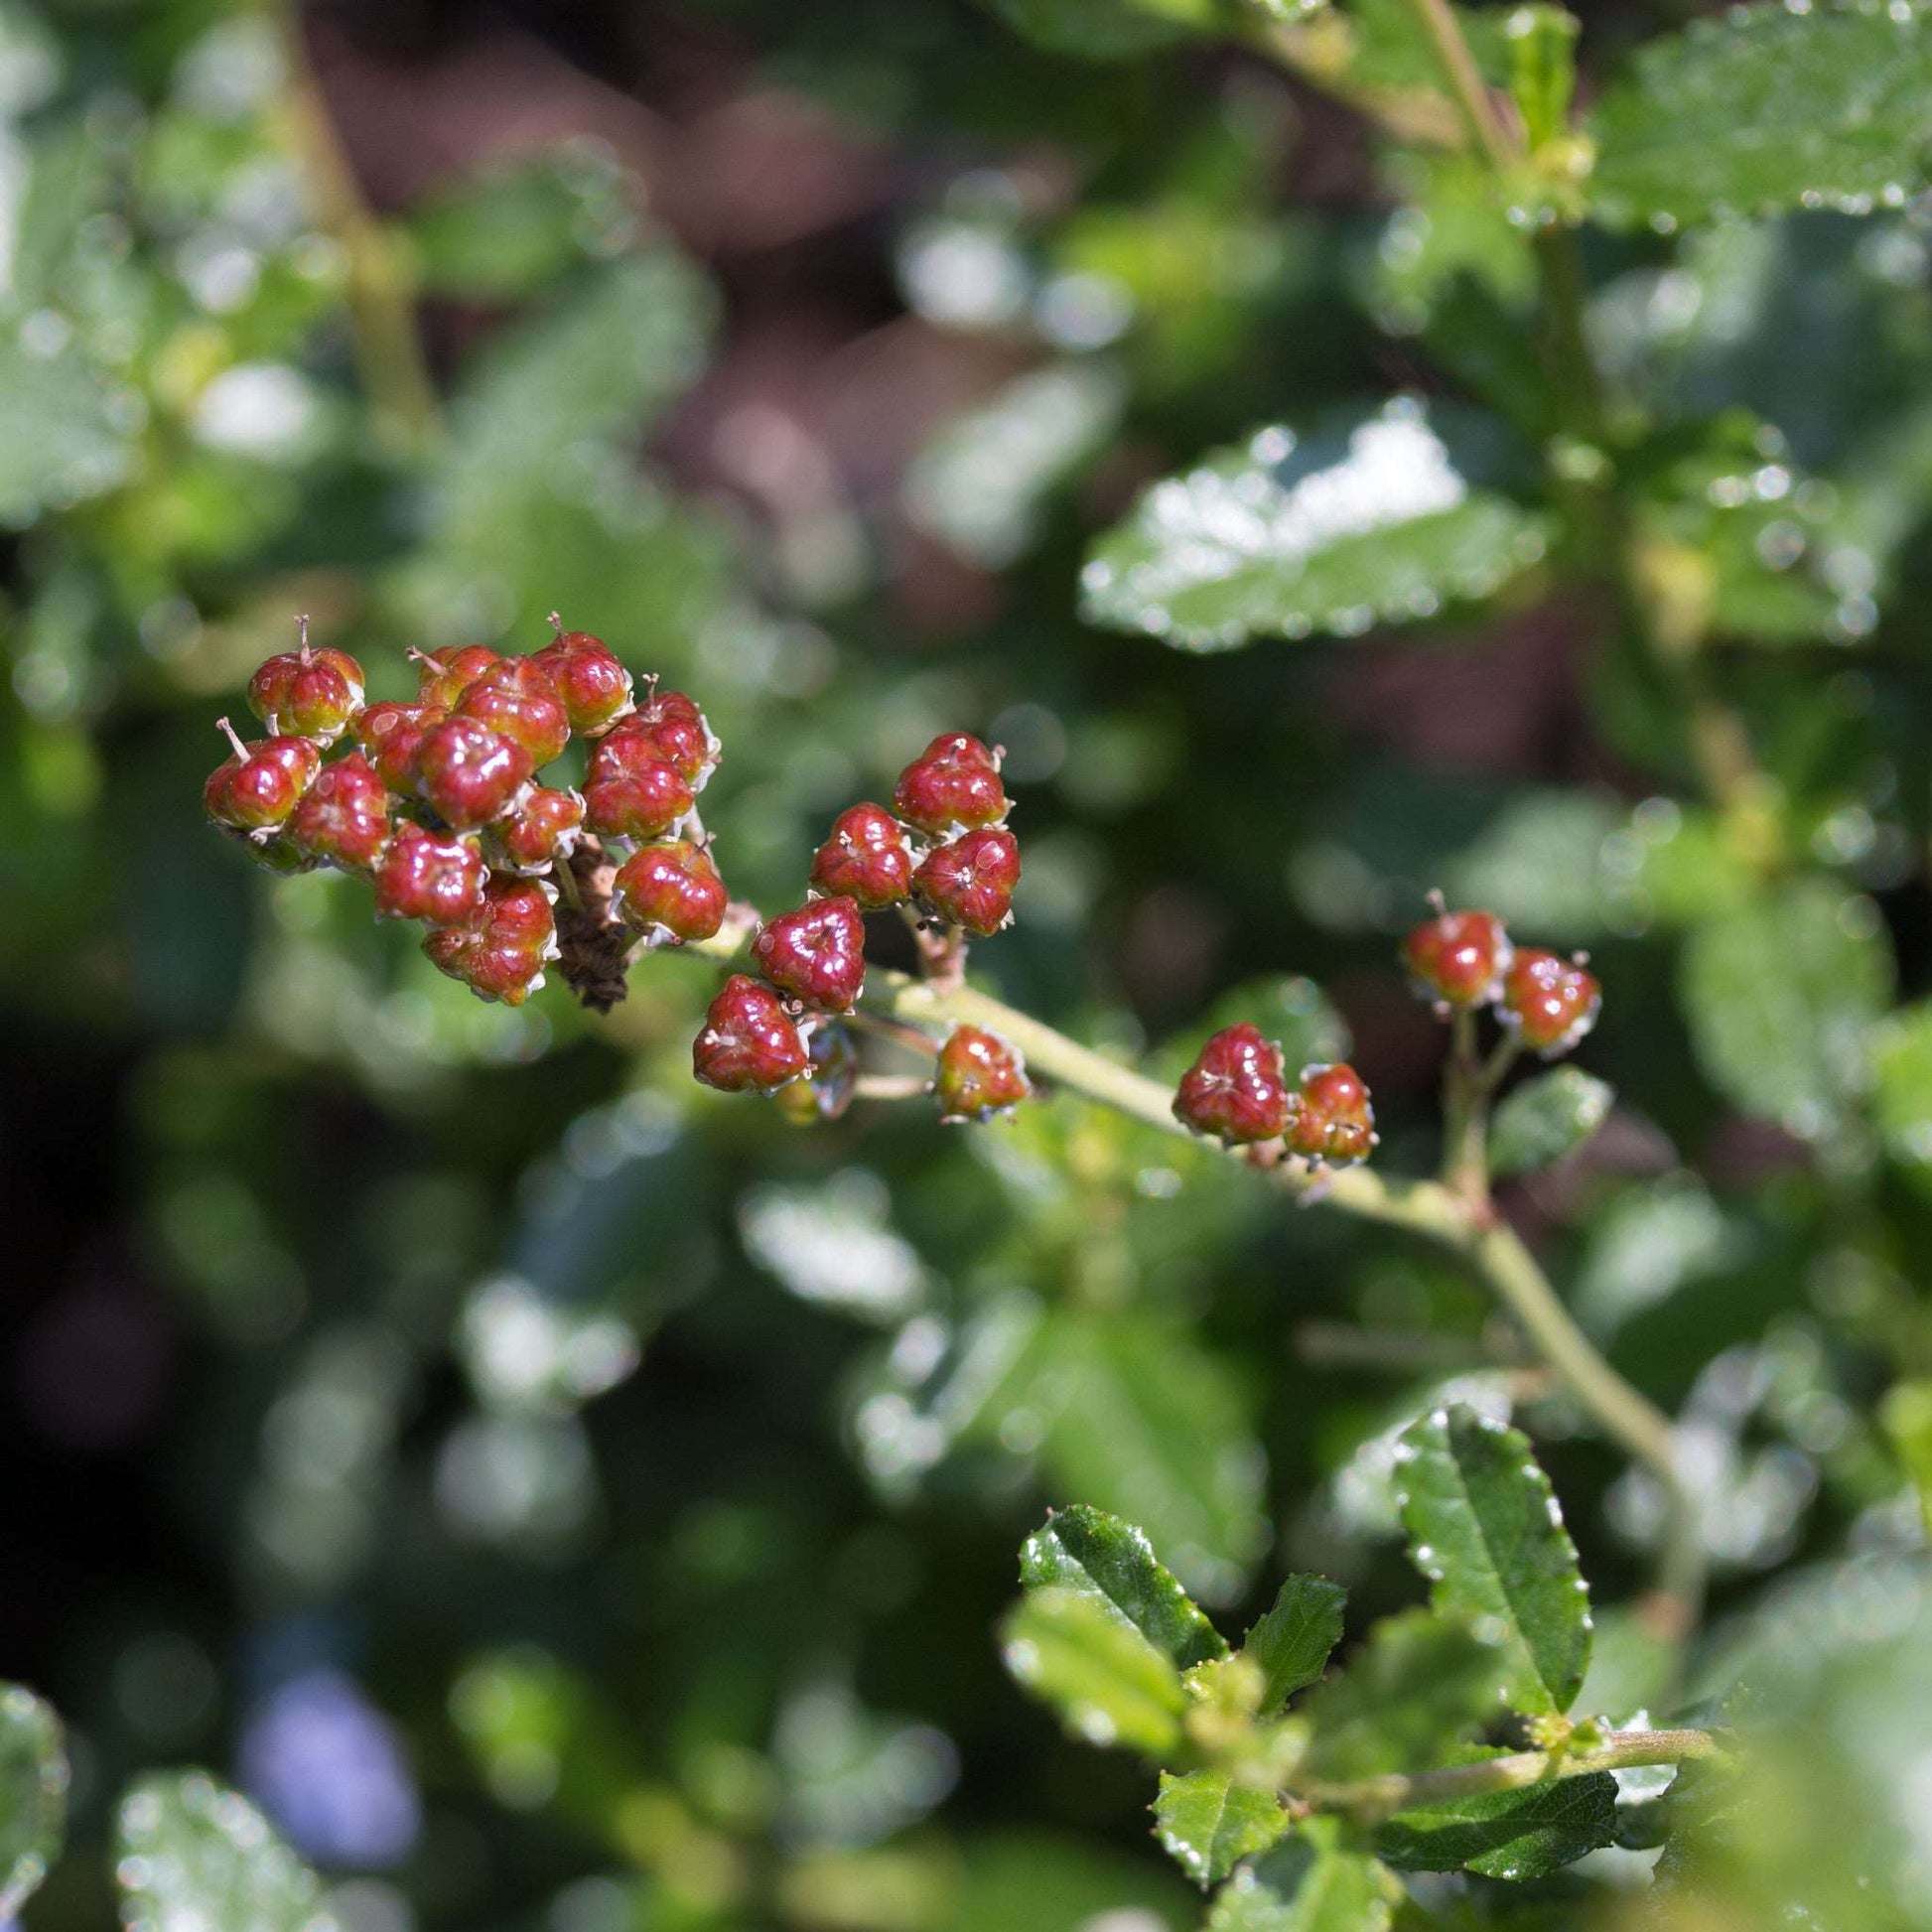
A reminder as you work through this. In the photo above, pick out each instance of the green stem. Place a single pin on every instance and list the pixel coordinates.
(380, 293)
(1369, 1799)
(1486, 127)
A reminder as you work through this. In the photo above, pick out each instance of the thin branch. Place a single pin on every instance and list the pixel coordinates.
(1486, 127)
(1369, 1799)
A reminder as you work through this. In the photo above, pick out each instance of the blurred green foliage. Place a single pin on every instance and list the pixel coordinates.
(564, 1499)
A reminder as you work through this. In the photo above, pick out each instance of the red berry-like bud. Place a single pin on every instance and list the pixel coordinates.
(1330, 1119)
(1459, 959)
(952, 785)
(667, 726)
(543, 825)
(826, 1092)
(1237, 1089)
(816, 954)
(594, 686)
(443, 675)
(307, 693)
(432, 876)
(641, 803)
(259, 785)
(670, 892)
(979, 1075)
(1549, 1002)
(344, 817)
(969, 883)
(750, 1043)
(516, 700)
(866, 857)
(467, 773)
(389, 733)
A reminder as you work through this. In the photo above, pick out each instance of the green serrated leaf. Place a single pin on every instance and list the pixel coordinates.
(33, 1795)
(1291, 535)
(1086, 1550)
(1546, 1118)
(1209, 1824)
(1107, 30)
(1308, 1885)
(1141, 1418)
(1485, 1528)
(1505, 1834)
(191, 1852)
(1293, 1641)
(1071, 1649)
(1406, 1701)
(1764, 108)
(1781, 992)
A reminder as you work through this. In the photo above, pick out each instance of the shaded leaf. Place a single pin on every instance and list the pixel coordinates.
(1111, 1686)
(1505, 1834)
(1293, 1641)
(33, 1795)
(65, 441)
(1308, 1885)
(1405, 1701)
(1485, 1528)
(1210, 1824)
(1546, 1118)
(1291, 536)
(191, 1852)
(1092, 1554)
(1760, 109)
(1781, 992)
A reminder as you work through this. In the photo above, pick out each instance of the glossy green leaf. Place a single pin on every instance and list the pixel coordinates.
(1309, 1883)
(1902, 1064)
(1142, 1420)
(1209, 1824)
(1095, 1554)
(1108, 1682)
(1293, 1641)
(1781, 993)
(191, 1852)
(1291, 536)
(1505, 1834)
(1107, 30)
(1406, 1701)
(1763, 108)
(1546, 1118)
(1485, 1528)
(33, 1795)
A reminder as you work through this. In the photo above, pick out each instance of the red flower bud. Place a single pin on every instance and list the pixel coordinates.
(344, 816)
(670, 892)
(1331, 1118)
(594, 686)
(307, 693)
(544, 825)
(816, 954)
(433, 876)
(979, 1074)
(866, 859)
(467, 773)
(749, 1044)
(1237, 1089)
(1550, 1001)
(952, 785)
(516, 700)
(1459, 959)
(643, 802)
(259, 785)
(969, 883)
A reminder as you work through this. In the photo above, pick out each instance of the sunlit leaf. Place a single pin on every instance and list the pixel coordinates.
(1769, 107)
(1210, 1822)
(1309, 1883)
(33, 1795)
(1505, 1834)
(1092, 1554)
(191, 1852)
(1485, 1528)
(1291, 536)
(1072, 1650)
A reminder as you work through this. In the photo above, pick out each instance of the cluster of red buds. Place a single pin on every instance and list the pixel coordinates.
(944, 856)
(1237, 1090)
(1462, 962)
(436, 800)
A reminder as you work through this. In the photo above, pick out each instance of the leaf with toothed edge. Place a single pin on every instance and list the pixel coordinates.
(1309, 1882)
(1384, 520)
(1210, 1824)
(1293, 1641)
(1485, 1529)
(1071, 1649)
(1759, 109)
(1408, 1699)
(1094, 1555)
(1513, 1835)
(33, 1795)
